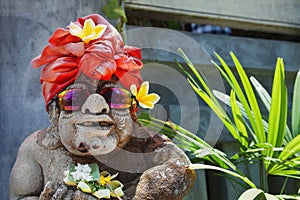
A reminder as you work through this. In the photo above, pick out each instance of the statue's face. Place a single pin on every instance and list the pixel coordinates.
(99, 120)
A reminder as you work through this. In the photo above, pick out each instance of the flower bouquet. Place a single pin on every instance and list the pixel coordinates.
(88, 179)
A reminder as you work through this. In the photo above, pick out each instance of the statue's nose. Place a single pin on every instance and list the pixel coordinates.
(95, 104)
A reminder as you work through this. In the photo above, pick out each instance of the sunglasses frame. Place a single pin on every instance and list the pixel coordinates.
(133, 102)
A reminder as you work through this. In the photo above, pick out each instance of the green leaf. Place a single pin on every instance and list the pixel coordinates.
(72, 168)
(289, 165)
(296, 107)
(203, 166)
(189, 76)
(290, 149)
(95, 171)
(239, 93)
(238, 119)
(196, 73)
(270, 197)
(256, 194)
(289, 196)
(252, 100)
(266, 99)
(219, 112)
(187, 140)
(295, 174)
(223, 73)
(262, 93)
(109, 8)
(251, 194)
(278, 110)
(226, 99)
(200, 79)
(283, 116)
(121, 12)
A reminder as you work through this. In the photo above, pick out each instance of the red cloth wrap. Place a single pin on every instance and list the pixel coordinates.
(66, 56)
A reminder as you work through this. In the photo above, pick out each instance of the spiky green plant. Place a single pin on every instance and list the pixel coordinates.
(278, 146)
(273, 143)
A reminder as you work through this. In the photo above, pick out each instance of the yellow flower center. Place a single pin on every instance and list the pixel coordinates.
(89, 31)
(104, 180)
(145, 100)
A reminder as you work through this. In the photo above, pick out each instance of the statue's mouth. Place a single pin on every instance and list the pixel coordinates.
(95, 122)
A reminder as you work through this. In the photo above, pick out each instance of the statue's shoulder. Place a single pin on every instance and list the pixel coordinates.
(30, 144)
(38, 141)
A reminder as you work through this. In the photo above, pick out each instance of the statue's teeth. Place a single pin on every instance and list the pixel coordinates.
(88, 123)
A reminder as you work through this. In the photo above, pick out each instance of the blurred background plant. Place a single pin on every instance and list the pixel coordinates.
(114, 10)
(271, 142)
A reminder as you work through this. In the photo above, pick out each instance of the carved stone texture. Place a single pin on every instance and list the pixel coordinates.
(149, 165)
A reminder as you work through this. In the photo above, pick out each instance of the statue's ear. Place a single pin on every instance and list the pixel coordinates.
(51, 140)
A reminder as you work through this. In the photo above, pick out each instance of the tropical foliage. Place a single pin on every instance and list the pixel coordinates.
(271, 141)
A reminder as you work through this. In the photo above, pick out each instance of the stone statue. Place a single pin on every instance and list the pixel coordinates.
(86, 78)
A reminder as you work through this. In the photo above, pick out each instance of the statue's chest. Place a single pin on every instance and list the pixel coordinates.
(54, 163)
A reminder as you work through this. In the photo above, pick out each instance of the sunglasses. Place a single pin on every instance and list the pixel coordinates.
(73, 99)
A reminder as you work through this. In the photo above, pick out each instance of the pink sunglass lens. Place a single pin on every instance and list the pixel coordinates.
(72, 99)
(117, 98)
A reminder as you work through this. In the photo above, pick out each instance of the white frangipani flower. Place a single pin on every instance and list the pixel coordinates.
(82, 173)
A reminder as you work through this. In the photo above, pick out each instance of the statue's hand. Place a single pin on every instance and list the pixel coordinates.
(169, 182)
(56, 191)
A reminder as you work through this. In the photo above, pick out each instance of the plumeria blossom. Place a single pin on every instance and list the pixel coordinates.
(144, 99)
(89, 31)
(82, 173)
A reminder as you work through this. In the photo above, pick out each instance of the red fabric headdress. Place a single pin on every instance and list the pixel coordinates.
(67, 56)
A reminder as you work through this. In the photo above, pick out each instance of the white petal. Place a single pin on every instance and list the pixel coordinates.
(133, 89)
(76, 30)
(103, 193)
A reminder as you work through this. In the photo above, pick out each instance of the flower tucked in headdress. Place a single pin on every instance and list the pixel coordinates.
(144, 99)
(91, 46)
(88, 32)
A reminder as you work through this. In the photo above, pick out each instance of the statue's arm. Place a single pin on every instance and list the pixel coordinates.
(26, 180)
(170, 179)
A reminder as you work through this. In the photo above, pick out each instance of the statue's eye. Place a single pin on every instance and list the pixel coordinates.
(72, 99)
(117, 98)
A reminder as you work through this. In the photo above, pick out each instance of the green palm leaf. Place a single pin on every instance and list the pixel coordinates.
(266, 99)
(278, 109)
(252, 100)
(238, 119)
(296, 107)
